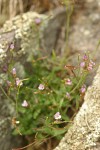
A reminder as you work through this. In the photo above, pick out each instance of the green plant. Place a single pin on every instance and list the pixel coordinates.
(50, 95)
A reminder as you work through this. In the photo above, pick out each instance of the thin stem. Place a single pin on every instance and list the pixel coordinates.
(29, 145)
(80, 81)
(17, 102)
(5, 93)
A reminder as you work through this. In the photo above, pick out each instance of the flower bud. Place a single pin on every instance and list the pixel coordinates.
(14, 71)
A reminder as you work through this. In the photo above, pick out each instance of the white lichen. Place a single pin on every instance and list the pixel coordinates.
(2, 53)
(27, 31)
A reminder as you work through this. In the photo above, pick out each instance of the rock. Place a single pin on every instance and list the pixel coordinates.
(27, 30)
(33, 36)
(84, 33)
(54, 33)
(7, 140)
(84, 133)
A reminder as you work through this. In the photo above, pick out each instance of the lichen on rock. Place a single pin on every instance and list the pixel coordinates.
(27, 31)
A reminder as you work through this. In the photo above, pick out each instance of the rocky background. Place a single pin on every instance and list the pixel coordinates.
(16, 20)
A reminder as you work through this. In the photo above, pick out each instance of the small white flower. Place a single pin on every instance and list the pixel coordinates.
(41, 87)
(68, 82)
(12, 46)
(25, 103)
(19, 82)
(17, 121)
(14, 71)
(57, 116)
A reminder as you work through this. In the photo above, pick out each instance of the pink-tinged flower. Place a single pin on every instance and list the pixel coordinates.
(89, 68)
(12, 46)
(41, 87)
(83, 89)
(57, 116)
(25, 104)
(14, 71)
(82, 64)
(37, 21)
(92, 63)
(68, 95)
(68, 82)
(85, 57)
(19, 82)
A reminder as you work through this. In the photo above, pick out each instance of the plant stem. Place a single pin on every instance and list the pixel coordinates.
(5, 93)
(17, 102)
(80, 81)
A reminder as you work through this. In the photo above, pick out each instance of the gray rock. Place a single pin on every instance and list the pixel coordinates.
(85, 31)
(84, 133)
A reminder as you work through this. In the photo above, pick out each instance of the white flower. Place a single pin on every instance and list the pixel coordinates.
(41, 87)
(25, 103)
(57, 116)
(68, 82)
(19, 82)
(14, 71)
(17, 121)
(12, 46)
